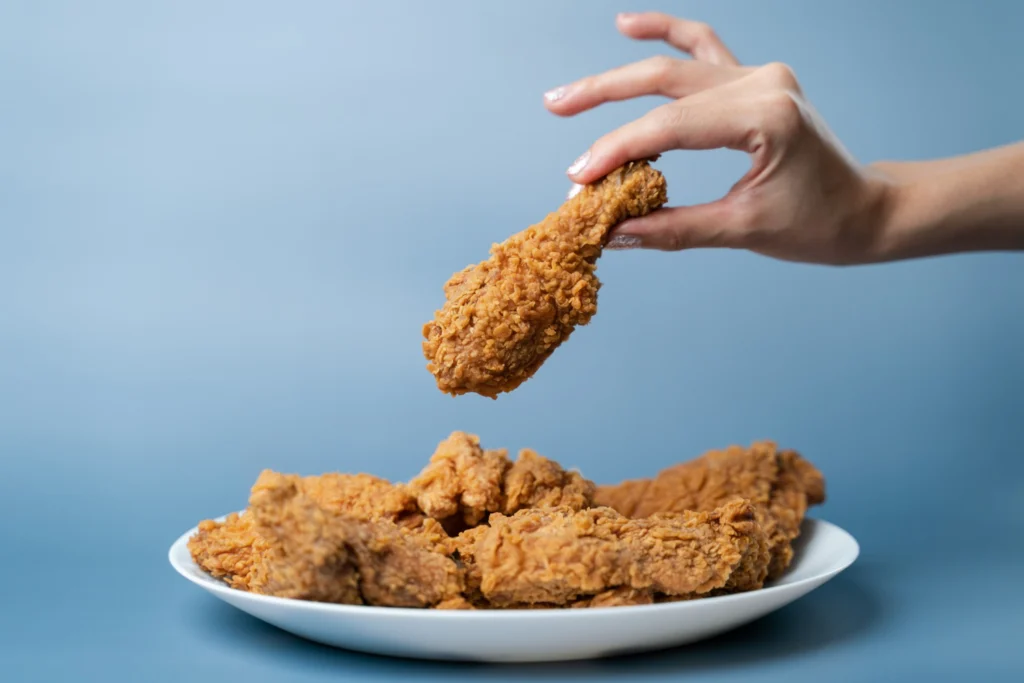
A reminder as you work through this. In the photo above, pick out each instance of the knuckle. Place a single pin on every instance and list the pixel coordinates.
(588, 84)
(671, 116)
(704, 33)
(662, 66)
(675, 241)
(781, 113)
(780, 75)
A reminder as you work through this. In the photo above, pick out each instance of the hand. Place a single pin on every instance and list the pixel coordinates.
(804, 199)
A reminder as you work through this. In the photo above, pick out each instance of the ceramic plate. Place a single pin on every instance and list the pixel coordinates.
(822, 551)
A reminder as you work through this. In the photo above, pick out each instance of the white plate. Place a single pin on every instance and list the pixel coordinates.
(822, 551)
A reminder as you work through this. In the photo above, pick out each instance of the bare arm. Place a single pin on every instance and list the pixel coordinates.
(968, 203)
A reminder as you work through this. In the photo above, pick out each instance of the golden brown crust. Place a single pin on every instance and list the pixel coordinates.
(319, 554)
(229, 550)
(617, 597)
(534, 481)
(464, 483)
(503, 317)
(234, 550)
(362, 496)
(556, 556)
(781, 484)
(461, 480)
(716, 525)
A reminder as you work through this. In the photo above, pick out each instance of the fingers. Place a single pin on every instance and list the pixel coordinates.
(692, 37)
(717, 224)
(661, 75)
(705, 123)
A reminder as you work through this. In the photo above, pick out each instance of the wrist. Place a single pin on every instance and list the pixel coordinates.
(973, 203)
(896, 225)
(877, 219)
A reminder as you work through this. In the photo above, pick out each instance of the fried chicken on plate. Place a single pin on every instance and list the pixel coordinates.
(290, 544)
(463, 483)
(556, 556)
(317, 554)
(476, 530)
(503, 317)
(781, 484)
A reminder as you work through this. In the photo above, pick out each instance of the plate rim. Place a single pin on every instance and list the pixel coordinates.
(222, 590)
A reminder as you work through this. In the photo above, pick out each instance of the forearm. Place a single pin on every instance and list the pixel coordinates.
(969, 203)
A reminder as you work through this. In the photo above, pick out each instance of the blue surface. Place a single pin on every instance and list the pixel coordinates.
(222, 225)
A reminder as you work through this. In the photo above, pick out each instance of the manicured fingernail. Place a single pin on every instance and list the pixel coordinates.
(574, 190)
(623, 242)
(626, 16)
(555, 94)
(580, 163)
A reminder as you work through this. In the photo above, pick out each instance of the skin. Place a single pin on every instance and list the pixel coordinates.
(805, 198)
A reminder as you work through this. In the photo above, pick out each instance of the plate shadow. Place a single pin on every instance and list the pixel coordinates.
(840, 611)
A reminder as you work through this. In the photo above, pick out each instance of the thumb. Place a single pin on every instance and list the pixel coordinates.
(680, 227)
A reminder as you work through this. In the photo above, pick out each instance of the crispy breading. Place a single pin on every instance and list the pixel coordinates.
(461, 480)
(781, 484)
(617, 597)
(504, 317)
(362, 496)
(555, 556)
(465, 483)
(233, 549)
(534, 481)
(229, 550)
(477, 531)
(319, 554)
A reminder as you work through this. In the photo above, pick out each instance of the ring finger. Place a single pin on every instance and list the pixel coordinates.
(692, 37)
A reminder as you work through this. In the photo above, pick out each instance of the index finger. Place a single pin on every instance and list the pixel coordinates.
(693, 37)
(695, 123)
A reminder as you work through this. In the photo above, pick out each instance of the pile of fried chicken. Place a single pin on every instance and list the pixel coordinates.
(475, 530)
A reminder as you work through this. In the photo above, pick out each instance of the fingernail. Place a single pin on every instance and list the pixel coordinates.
(626, 15)
(555, 94)
(623, 242)
(580, 163)
(574, 190)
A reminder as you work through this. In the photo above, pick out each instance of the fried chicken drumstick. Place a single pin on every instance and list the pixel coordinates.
(781, 485)
(503, 317)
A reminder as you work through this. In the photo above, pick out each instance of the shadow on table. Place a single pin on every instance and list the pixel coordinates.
(839, 611)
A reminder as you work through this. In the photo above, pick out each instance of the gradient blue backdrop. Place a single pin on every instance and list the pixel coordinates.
(222, 225)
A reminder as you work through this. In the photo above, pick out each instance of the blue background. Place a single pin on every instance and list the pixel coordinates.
(223, 224)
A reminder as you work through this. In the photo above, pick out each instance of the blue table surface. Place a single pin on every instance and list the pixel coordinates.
(222, 226)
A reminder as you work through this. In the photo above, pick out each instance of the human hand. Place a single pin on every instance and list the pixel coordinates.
(805, 198)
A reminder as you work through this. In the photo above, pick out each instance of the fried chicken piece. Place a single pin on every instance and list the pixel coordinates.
(229, 550)
(556, 556)
(461, 479)
(363, 496)
(236, 551)
(781, 484)
(503, 317)
(537, 482)
(323, 555)
(309, 552)
(463, 483)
